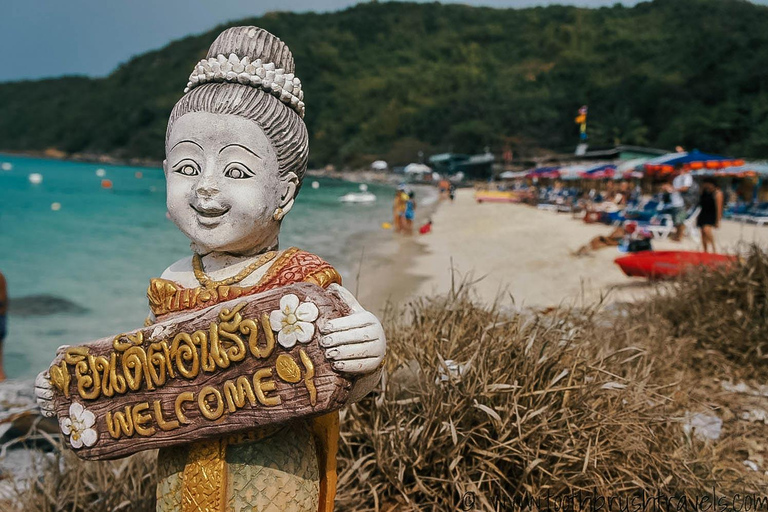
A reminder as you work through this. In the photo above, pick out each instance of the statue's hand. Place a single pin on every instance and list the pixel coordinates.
(44, 389)
(44, 394)
(355, 343)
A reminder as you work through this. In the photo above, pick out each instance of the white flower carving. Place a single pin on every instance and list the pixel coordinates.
(78, 426)
(293, 321)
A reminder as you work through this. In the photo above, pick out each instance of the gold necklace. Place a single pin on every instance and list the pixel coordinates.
(211, 285)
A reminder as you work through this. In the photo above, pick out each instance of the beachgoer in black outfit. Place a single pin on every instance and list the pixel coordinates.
(711, 204)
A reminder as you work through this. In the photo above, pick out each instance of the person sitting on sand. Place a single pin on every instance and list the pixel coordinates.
(3, 320)
(711, 204)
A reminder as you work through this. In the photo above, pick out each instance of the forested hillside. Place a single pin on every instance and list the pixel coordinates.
(389, 79)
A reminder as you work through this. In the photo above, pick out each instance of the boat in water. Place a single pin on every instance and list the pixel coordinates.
(359, 197)
(669, 264)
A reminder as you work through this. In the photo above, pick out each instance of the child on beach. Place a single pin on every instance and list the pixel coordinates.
(398, 209)
(409, 213)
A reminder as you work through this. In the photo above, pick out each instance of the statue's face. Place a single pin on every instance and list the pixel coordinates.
(223, 182)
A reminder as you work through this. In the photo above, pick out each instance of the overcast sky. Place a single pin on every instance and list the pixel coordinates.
(42, 38)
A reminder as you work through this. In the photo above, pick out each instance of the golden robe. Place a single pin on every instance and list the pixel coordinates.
(283, 468)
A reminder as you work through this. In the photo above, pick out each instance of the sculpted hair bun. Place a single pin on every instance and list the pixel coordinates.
(255, 43)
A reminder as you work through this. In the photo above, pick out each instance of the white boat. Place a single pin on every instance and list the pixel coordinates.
(359, 197)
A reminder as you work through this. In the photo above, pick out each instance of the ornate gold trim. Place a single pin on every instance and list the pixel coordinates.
(204, 483)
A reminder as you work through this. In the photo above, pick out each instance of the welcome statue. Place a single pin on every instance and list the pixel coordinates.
(249, 350)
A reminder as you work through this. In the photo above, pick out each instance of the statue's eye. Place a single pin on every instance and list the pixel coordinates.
(236, 172)
(187, 170)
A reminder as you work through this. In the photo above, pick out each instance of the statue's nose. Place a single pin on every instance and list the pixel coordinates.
(206, 188)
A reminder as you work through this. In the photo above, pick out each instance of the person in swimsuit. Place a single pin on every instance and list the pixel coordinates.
(3, 320)
(711, 204)
(398, 209)
(410, 213)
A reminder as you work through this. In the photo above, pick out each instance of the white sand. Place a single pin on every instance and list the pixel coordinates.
(516, 249)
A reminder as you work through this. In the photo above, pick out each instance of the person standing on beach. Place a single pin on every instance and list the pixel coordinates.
(398, 209)
(680, 185)
(410, 213)
(3, 320)
(711, 204)
(444, 186)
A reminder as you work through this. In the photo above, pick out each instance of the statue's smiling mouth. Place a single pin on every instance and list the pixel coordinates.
(210, 212)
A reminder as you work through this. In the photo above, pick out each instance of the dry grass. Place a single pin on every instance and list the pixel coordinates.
(724, 311)
(73, 485)
(545, 403)
(548, 404)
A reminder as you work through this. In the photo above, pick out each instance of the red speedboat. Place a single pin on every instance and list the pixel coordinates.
(666, 264)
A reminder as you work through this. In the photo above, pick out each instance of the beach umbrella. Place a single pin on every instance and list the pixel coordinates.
(543, 172)
(740, 171)
(599, 172)
(417, 169)
(512, 175)
(573, 172)
(694, 160)
(630, 169)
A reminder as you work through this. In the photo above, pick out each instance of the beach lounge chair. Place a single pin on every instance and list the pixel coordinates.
(759, 217)
(547, 206)
(660, 226)
(736, 211)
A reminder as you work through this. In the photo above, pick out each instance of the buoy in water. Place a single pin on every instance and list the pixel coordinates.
(55, 206)
(101, 173)
(106, 183)
(35, 178)
(315, 184)
(138, 175)
(363, 187)
(6, 166)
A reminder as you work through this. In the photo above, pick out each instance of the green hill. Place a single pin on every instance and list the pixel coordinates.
(389, 79)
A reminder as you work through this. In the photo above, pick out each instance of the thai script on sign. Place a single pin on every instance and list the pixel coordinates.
(133, 365)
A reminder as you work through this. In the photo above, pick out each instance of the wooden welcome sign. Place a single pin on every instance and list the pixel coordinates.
(246, 363)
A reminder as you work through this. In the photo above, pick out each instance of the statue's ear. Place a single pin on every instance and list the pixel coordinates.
(288, 185)
(165, 167)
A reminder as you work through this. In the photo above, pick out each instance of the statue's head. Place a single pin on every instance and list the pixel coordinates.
(236, 146)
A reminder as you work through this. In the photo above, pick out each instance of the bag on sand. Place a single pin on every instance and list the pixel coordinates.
(642, 244)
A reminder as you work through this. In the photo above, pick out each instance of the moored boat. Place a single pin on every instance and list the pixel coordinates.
(667, 264)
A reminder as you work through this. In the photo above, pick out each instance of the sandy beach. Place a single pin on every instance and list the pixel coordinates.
(512, 251)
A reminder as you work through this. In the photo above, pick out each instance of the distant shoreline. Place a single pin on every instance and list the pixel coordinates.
(85, 158)
(361, 175)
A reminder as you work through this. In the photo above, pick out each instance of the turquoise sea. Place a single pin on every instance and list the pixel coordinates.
(81, 272)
